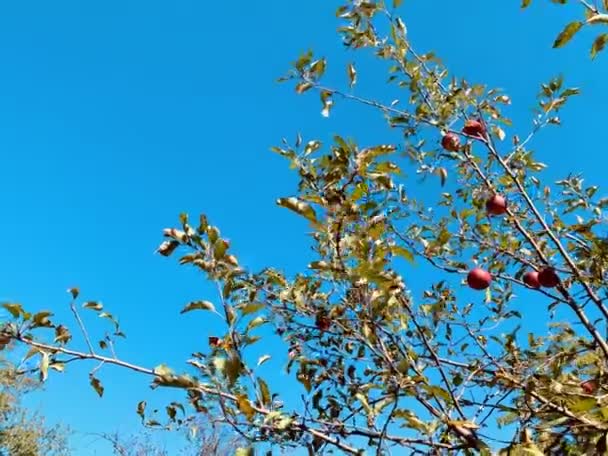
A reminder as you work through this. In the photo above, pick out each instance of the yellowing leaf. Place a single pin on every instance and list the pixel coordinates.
(443, 175)
(300, 207)
(352, 75)
(567, 34)
(598, 19)
(44, 366)
(599, 44)
(141, 409)
(403, 252)
(233, 369)
(74, 292)
(15, 309)
(96, 384)
(198, 305)
(162, 369)
(263, 359)
(41, 319)
(264, 392)
(361, 398)
(252, 307)
(97, 306)
(258, 321)
(303, 87)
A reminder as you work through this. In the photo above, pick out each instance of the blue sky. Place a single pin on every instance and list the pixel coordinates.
(117, 116)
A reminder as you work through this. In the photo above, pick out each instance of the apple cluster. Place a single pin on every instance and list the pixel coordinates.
(496, 205)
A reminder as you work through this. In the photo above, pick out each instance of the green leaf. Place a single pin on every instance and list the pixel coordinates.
(198, 305)
(599, 44)
(397, 3)
(96, 384)
(299, 207)
(525, 3)
(567, 34)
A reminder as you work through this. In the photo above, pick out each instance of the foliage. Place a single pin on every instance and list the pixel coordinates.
(22, 432)
(204, 439)
(384, 361)
(594, 13)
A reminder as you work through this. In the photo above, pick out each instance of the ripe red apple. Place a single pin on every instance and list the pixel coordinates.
(589, 386)
(531, 279)
(474, 128)
(548, 278)
(479, 279)
(497, 205)
(451, 142)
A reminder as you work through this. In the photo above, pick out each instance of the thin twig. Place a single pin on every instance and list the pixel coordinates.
(82, 327)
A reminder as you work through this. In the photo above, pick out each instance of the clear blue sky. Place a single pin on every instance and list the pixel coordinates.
(116, 116)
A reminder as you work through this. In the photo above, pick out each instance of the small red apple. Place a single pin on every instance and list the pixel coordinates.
(474, 128)
(548, 278)
(214, 341)
(479, 279)
(589, 386)
(322, 322)
(451, 142)
(497, 205)
(531, 279)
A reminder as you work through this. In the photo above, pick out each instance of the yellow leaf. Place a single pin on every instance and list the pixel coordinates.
(245, 407)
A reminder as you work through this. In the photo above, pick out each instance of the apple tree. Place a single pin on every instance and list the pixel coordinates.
(404, 334)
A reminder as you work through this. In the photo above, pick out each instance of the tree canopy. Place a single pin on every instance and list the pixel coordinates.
(386, 363)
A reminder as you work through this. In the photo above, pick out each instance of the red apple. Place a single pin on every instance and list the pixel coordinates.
(322, 322)
(214, 341)
(548, 278)
(451, 142)
(479, 279)
(531, 279)
(497, 205)
(589, 386)
(474, 128)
